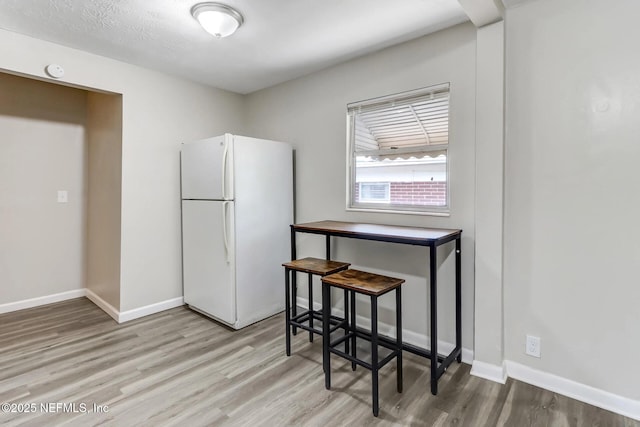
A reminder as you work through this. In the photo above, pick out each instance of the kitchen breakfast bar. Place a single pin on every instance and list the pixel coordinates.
(417, 236)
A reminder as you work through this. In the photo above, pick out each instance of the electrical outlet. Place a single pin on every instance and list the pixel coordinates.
(533, 346)
(63, 196)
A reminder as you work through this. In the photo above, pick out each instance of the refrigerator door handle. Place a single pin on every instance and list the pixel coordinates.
(224, 230)
(225, 154)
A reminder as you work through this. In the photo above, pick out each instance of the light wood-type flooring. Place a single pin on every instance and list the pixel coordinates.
(178, 368)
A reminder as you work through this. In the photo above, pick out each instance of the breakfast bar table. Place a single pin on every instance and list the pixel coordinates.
(417, 236)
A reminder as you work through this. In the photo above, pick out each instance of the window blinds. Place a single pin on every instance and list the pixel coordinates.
(399, 125)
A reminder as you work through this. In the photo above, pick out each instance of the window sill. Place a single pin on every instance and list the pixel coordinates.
(407, 212)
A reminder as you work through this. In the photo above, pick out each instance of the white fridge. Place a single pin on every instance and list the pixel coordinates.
(237, 205)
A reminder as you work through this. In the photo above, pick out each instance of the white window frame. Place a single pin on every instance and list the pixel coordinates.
(351, 205)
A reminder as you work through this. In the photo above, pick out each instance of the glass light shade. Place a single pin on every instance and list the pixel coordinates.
(217, 19)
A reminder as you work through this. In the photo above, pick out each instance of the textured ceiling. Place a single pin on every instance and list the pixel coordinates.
(280, 39)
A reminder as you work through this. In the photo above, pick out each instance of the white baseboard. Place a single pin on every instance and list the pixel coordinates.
(105, 306)
(585, 393)
(118, 316)
(408, 337)
(36, 302)
(582, 392)
(136, 313)
(489, 371)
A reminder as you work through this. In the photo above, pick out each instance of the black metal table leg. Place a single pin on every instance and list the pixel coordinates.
(399, 338)
(458, 299)
(293, 243)
(310, 304)
(328, 247)
(287, 311)
(294, 278)
(374, 354)
(433, 297)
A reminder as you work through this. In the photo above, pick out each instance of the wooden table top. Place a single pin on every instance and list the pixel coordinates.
(392, 233)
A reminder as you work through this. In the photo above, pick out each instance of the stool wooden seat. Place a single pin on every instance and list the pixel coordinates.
(304, 320)
(372, 285)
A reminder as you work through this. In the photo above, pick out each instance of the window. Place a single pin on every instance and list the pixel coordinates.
(398, 149)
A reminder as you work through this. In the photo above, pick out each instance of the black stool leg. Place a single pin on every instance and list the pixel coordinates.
(374, 354)
(310, 306)
(294, 297)
(287, 311)
(399, 339)
(352, 328)
(346, 317)
(326, 312)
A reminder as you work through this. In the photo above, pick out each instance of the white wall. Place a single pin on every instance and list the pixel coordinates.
(42, 150)
(159, 111)
(572, 246)
(310, 113)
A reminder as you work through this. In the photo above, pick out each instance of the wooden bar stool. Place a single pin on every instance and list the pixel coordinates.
(373, 285)
(304, 320)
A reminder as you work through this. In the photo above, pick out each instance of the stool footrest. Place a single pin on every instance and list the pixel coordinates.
(334, 344)
(302, 321)
(361, 362)
(341, 325)
(305, 316)
(386, 343)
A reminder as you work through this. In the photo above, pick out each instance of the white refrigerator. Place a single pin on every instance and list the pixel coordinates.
(237, 205)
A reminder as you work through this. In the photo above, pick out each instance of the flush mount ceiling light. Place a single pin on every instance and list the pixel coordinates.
(217, 19)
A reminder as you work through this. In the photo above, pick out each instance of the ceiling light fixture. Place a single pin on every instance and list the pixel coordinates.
(217, 19)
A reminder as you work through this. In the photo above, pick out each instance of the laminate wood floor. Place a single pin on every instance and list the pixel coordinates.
(178, 368)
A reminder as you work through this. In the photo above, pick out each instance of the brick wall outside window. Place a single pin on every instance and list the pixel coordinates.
(432, 193)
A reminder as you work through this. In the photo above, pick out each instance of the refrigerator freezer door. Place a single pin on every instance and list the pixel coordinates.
(208, 258)
(205, 166)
